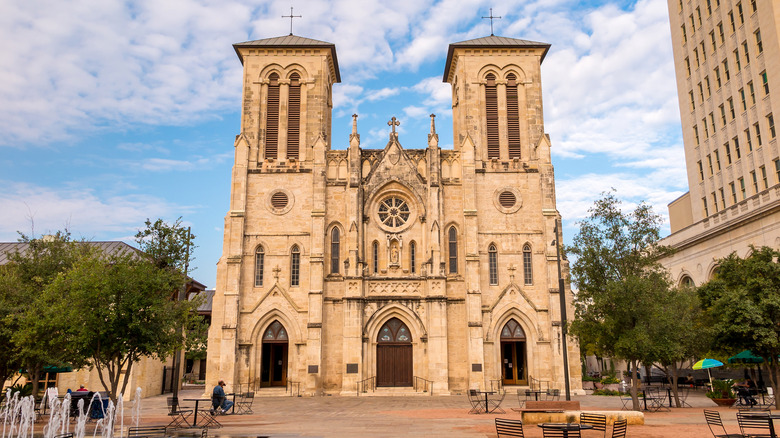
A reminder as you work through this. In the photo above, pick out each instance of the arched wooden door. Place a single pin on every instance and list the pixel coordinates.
(513, 360)
(273, 367)
(394, 355)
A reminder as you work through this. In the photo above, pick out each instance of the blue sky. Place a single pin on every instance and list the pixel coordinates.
(112, 112)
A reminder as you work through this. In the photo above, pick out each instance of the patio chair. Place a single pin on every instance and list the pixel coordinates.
(553, 395)
(628, 402)
(683, 393)
(560, 433)
(147, 432)
(619, 428)
(716, 425)
(494, 403)
(756, 424)
(244, 404)
(178, 416)
(477, 402)
(598, 421)
(512, 428)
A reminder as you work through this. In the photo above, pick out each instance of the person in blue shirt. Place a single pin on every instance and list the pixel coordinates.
(218, 398)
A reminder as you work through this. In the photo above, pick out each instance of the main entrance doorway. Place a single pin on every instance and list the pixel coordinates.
(273, 366)
(394, 355)
(513, 369)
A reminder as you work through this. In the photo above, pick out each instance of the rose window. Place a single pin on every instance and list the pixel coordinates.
(393, 212)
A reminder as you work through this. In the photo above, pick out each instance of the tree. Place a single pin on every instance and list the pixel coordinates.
(169, 245)
(120, 309)
(30, 335)
(742, 304)
(621, 285)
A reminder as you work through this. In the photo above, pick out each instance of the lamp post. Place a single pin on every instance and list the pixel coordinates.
(562, 295)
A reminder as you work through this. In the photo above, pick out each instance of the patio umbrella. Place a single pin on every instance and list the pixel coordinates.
(746, 356)
(706, 364)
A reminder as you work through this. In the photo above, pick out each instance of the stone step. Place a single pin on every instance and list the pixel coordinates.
(403, 391)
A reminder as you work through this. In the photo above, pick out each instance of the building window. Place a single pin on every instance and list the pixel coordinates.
(701, 93)
(696, 134)
(684, 35)
(709, 164)
(698, 15)
(706, 128)
(453, 250)
(294, 117)
(731, 108)
(704, 204)
(736, 148)
(742, 188)
(712, 120)
(728, 153)
(272, 118)
(693, 25)
(335, 243)
(726, 69)
(715, 202)
(512, 116)
(413, 257)
(720, 33)
(765, 81)
(722, 114)
(742, 98)
(709, 7)
(688, 66)
(753, 5)
(732, 22)
(736, 60)
(755, 181)
(759, 43)
(375, 257)
(528, 273)
(696, 57)
(763, 177)
(777, 170)
(707, 84)
(722, 198)
(771, 120)
(733, 192)
(493, 264)
(295, 266)
(491, 116)
(259, 265)
(749, 140)
(758, 134)
(741, 14)
(701, 171)
(717, 76)
(693, 104)
(717, 159)
(712, 38)
(747, 54)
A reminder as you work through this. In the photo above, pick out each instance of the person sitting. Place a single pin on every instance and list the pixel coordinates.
(744, 392)
(82, 389)
(219, 402)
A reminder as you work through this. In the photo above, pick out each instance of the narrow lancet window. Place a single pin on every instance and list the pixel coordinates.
(412, 257)
(259, 266)
(453, 250)
(272, 118)
(334, 251)
(375, 257)
(295, 266)
(528, 273)
(513, 116)
(491, 116)
(493, 264)
(294, 117)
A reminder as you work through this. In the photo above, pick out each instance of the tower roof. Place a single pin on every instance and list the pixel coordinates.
(290, 41)
(493, 41)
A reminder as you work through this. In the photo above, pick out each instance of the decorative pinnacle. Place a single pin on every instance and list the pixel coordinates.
(433, 124)
(393, 123)
(354, 124)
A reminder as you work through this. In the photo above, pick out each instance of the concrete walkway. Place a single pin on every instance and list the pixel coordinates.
(417, 416)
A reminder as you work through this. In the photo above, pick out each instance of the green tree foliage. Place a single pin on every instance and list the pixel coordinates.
(621, 285)
(742, 303)
(169, 245)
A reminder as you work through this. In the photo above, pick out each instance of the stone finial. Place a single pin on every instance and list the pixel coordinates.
(433, 138)
(354, 124)
(433, 124)
(354, 137)
(393, 123)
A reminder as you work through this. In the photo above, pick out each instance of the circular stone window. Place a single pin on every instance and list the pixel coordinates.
(279, 201)
(507, 200)
(393, 212)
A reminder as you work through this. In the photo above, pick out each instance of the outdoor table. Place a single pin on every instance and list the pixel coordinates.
(486, 399)
(196, 400)
(233, 408)
(645, 398)
(536, 393)
(565, 427)
(763, 414)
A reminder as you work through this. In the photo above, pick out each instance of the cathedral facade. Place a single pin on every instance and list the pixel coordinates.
(347, 269)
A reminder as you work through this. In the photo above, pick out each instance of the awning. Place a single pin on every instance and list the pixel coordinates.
(56, 369)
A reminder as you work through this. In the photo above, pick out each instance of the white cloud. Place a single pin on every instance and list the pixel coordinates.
(383, 93)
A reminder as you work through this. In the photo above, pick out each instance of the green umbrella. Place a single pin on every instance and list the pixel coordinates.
(745, 356)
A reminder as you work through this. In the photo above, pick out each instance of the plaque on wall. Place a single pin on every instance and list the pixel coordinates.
(314, 369)
(352, 368)
(476, 367)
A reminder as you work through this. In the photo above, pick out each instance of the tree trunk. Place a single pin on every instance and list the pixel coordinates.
(675, 370)
(35, 375)
(634, 385)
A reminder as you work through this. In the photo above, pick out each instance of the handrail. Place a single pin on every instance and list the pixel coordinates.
(499, 384)
(419, 382)
(366, 384)
(297, 385)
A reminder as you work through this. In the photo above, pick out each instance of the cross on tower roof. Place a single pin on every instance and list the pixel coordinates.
(291, 16)
(393, 123)
(491, 21)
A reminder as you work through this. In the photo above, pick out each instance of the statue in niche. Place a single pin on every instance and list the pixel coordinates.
(394, 254)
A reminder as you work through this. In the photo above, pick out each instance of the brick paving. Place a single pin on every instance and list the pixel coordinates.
(415, 416)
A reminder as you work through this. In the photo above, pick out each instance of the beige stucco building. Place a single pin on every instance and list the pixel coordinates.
(727, 62)
(344, 265)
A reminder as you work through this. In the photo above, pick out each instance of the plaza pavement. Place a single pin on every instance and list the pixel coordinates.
(416, 416)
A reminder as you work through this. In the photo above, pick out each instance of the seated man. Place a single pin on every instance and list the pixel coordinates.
(744, 392)
(218, 399)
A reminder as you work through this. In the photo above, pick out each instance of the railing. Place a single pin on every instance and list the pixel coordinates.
(366, 384)
(538, 385)
(496, 385)
(422, 385)
(294, 388)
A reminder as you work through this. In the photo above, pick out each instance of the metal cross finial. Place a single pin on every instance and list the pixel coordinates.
(491, 21)
(291, 16)
(393, 122)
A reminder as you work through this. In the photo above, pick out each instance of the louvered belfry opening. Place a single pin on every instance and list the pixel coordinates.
(491, 116)
(294, 117)
(272, 118)
(513, 116)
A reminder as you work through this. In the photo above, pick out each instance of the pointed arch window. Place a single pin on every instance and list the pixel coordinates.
(375, 257)
(491, 116)
(493, 264)
(394, 331)
(272, 118)
(295, 266)
(528, 273)
(513, 116)
(275, 333)
(259, 265)
(335, 246)
(294, 117)
(413, 257)
(452, 238)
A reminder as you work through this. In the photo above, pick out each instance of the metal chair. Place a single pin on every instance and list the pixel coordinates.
(598, 421)
(147, 432)
(477, 402)
(513, 428)
(716, 425)
(553, 395)
(244, 404)
(561, 433)
(494, 404)
(756, 424)
(178, 416)
(619, 428)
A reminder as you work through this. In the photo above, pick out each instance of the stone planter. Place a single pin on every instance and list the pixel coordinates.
(724, 401)
(612, 386)
(587, 384)
(598, 385)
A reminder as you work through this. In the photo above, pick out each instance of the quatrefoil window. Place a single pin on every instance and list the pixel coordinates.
(393, 212)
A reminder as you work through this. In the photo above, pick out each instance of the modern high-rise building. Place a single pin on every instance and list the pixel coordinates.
(727, 63)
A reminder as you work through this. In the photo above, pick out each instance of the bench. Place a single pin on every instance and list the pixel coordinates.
(147, 431)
